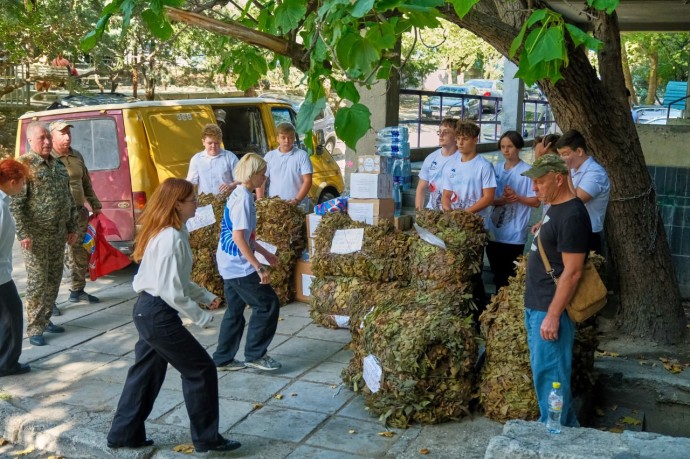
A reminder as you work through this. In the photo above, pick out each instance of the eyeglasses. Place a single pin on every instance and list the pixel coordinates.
(444, 132)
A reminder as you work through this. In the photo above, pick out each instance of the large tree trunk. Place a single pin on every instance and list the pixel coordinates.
(628, 75)
(653, 76)
(649, 295)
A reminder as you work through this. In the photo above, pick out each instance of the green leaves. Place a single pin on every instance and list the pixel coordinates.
(158, 24)
(345, 90)
(307, 113)
(607, 5)
(351, 123)
(250, 69)
(462, 7)
(289, 14)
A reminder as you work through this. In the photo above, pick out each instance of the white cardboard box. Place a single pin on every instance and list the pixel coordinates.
(313, 221)
(370, 210)
(371, 186)
(372, 164)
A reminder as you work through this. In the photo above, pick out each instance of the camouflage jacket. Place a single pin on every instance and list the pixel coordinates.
(46, 200)
(79, 180)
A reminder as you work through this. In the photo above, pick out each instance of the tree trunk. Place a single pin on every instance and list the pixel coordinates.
(649, 293)
(653, 76)
(628, 75)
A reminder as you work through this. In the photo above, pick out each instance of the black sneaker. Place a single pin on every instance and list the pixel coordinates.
(37, 340)
(56, 311)
(224, 445)
(265, 363)
(52, 328)
(18, 369)
(81, 295)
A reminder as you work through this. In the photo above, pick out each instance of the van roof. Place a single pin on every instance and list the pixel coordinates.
(159, 103)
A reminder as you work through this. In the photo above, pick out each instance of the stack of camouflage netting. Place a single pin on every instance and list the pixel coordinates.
(204, 242)
(282, 225)
(421, 335)
(506, 388)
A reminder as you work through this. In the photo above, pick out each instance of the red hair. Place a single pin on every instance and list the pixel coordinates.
(11, 169)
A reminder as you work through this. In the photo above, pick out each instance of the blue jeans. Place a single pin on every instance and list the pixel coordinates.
(265, 305)
(551, 361)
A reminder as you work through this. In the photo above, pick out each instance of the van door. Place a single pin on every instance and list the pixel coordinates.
(243, 130)
(174, 134)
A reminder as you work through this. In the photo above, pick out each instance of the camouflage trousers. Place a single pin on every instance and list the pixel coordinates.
(43, 275)
(76, 256)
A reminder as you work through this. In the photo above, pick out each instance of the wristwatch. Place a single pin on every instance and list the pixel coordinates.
(261, 269)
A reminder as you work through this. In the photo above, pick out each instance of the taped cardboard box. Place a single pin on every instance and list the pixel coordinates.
(403, 222)
(303, 279)
(313, 221)
(371, 211)
(371, 186)
(373, 164)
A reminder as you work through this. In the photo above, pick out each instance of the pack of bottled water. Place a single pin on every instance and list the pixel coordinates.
(393, 142)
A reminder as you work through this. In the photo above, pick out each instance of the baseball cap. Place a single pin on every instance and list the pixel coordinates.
(545, 164)
(59, 125)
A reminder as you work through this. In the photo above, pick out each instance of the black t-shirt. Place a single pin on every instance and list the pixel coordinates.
(565, 228)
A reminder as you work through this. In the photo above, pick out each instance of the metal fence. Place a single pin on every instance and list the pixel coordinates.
(15, 75)
(421, 112)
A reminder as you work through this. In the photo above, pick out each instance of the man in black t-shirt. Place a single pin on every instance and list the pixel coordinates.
(564, 233)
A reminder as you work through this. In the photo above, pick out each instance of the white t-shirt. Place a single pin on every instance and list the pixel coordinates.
(467, 180)
(239, 214)
(210, 172)
(432, 172)
(593, 179)
(164, 272)
(510, 223)
(285, 171)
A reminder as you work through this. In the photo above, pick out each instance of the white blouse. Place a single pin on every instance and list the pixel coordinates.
(164, 272)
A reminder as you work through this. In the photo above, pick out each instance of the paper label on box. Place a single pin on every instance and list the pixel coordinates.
(342, 321)
(372, 372)
(370, 186)
(306, 284)
(347, 241)
(270, 247)
(203, 217)
(361, 212)
(370, 164)
(314, 221)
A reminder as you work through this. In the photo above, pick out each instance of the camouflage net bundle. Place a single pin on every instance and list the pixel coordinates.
(427, 355)
(281, 224)
(505, 387)
(331, 296)
(204, 243)
(383, 257)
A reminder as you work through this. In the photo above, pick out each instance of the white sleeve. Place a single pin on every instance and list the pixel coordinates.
(424, 172)
(232, 160)
(193, 173)
(488, 176)
(305, 165)
(171, 287)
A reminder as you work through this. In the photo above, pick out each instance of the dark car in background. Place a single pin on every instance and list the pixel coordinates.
(446, 105)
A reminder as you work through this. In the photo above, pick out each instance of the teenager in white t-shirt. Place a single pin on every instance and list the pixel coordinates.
(513, 203)
(245, 280)
(470, 184)
(431, 175)
(289, 169)
(211, 169)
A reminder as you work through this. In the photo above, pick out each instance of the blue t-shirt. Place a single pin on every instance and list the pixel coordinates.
(239, 214)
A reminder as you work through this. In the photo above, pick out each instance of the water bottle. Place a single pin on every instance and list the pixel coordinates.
(393, 149)
(399, 133)
(398, 172)
(397, 199)
(407, 174)
(553, 423)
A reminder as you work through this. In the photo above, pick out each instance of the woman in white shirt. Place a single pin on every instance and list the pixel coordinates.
(162, 248)
(12, 178)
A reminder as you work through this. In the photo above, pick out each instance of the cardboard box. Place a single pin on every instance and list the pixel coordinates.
(370, 186)
(303, 279)
(403, 222)
(310, 247)
(371, 211)
(313, 221)
(373, 164)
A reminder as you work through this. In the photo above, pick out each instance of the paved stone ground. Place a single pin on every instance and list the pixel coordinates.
(66, 403)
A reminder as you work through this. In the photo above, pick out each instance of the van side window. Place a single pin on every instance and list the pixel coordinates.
(96, 140)
(285, 115)
(243, 130)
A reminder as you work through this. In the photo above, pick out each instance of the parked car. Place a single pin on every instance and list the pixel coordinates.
(446, 105)
(324, 123)
(656, 114)
(87, 99)
(131, 147)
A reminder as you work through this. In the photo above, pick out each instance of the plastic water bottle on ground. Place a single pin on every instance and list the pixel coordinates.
(392, 133)
(398, 172)
(397, 199)
(393, 149)
(407, 174)
(553, 423)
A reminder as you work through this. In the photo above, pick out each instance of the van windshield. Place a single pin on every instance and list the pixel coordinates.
(96, 140)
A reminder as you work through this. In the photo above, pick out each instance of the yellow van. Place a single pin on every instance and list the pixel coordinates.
(130, 148)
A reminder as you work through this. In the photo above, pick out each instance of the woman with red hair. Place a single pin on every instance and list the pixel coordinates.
(12, 178)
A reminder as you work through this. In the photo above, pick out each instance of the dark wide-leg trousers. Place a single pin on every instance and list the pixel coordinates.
(11, 324)
(163, 340)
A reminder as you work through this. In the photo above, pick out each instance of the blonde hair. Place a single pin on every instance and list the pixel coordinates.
(249, 165)
(160, 212)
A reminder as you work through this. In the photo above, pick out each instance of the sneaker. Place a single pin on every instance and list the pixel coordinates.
(37, 340)
(224, 445)
(18, 369)
(264, 363)
(56, 311)
(52, 328)
(232, 365)
(81, 295)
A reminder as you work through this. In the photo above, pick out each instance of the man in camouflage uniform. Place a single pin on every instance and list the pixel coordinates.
(46, 217)
(76, 256)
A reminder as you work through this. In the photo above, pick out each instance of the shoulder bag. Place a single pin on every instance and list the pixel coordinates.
(590, 293)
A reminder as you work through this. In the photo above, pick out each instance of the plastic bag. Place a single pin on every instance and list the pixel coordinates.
(104, 257)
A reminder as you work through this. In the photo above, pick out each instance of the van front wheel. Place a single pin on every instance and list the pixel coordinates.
(328, 194)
